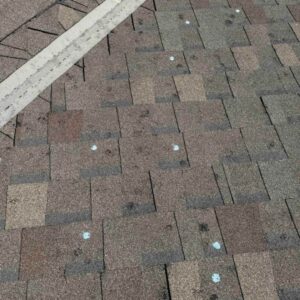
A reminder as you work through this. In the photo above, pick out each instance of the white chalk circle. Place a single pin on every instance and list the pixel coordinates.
(216, 245)
(94, 148)
(86, 235)
(216, 277)
(175, 147)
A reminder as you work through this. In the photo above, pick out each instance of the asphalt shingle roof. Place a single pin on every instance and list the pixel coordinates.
(165, 164)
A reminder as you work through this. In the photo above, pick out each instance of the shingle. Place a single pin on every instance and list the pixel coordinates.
(199, 4)
(190, 88)
(261, 34)
(222, 27)
(142, 89)
(135, 41)
(278, 226)
(216, 86)
(281, 178)
(176, 5)
(262, 82)
(126, 195)
(165, 90)
(241, 228)
(103, 161)
(10, 127)
(295, 11)
(185, 189)
(144, 19)
(64, 161)
(287, 55)
(200, 234)
(85, 160)
(97, 95)
(245, 183)
(58, 99)
(290, 137)
(124, 27)
(178, 30)
(205, 148)
(135, 283)
(65, 127)
(83, 287)
(30, 164)
(10, 255)
(31, 129)
(5, 140)
(197, 87)
(13, 290)
(68, 201)
(26, 205)
(246, 58)
(296, 29)
(246, 112)
(194, 280)
(38, 105)
(284, 2)
(141, 241)
(184, 279)
(278, 13)
(205, 61)
(101, 124)
(153, 64)
(252, 58)
(148, 90)
(256, 13)
(256, 277)
(242, 3)
(8, 66)
(64, 250)
(258, 34)
(47, 21)
(263, 143)
(58, 88)
(283, 109)
(68, 16)
(208, 115)
(38, 40)
(101, 66)
(152, 152)
(286, 264)
(141, 120)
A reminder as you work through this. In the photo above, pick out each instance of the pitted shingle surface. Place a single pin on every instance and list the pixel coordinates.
(164, 165)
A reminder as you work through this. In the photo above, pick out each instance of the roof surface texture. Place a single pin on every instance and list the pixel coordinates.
(164, 165)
